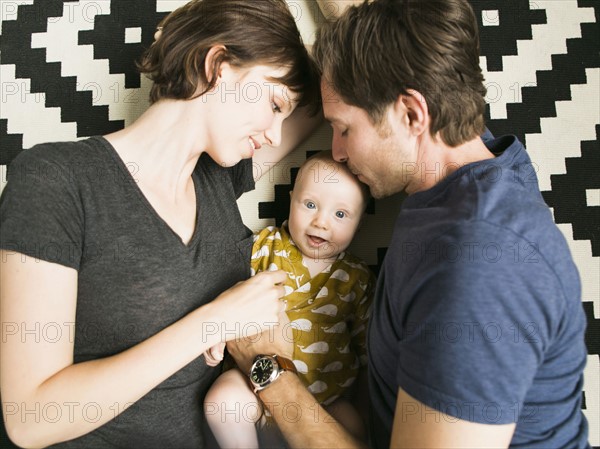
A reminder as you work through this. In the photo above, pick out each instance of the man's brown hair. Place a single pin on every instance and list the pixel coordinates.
(258, 32)
(379, 50)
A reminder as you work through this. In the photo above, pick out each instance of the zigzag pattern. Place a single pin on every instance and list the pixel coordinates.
(515, 22)
(46, 77)
(552, 85)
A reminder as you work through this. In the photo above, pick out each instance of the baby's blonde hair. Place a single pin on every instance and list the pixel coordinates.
(326, 157)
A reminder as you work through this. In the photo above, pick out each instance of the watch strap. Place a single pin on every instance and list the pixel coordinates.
(286, 364)
(283, 365)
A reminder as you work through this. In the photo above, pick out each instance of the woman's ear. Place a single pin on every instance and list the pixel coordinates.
(413, 107)
(214, 63)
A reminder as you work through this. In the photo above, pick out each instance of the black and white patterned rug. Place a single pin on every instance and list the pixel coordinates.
(67, 72)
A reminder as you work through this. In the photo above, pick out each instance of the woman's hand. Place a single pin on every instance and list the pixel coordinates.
(248, 308)
(278, 340)
(214, 355)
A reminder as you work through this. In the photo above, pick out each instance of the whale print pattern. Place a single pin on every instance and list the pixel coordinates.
(328, 313)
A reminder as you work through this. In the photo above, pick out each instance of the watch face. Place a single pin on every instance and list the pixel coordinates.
(262, 370)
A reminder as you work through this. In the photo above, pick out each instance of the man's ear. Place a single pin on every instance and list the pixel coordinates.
(214, 63)
(413, 107)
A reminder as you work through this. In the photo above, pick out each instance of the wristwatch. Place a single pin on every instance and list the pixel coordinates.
(267, 368)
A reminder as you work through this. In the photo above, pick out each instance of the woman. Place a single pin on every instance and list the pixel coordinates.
(124, 253)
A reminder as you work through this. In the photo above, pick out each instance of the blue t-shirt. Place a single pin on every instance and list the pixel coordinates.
(478, 308)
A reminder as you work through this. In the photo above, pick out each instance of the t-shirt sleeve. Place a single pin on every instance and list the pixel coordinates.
(40, 211)
(261, 250)
(242, 177)
(477, 327)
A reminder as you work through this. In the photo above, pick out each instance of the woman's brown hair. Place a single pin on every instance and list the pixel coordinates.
(258, 32)
(379, 50)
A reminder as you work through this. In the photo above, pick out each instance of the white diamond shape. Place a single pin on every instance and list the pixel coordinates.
(592, 197)
(490, 17)
(133, 35)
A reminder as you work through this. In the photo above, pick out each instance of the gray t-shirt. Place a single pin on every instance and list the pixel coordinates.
(77, 204)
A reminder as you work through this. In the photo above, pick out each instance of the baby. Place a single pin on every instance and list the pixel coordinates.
(328, 297)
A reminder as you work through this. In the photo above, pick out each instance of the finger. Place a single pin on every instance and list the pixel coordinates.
(284, 318)
(281, 291)
(216, 352)
(282, 306)
(276, 277)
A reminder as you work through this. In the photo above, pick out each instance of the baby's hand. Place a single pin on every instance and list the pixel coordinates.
(214, 355)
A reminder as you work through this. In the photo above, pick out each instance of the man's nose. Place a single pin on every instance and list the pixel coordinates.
(338, 149)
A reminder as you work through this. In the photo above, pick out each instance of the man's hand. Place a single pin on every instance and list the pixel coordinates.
(277, 340)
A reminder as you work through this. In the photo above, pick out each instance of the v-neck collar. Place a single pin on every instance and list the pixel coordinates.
(138, 192)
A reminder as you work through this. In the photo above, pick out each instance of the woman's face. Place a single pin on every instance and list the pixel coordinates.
(246, 110)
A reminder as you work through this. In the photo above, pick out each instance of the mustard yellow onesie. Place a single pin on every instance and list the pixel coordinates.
(328, 313)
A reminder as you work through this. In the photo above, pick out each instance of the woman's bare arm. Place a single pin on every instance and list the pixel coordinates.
(46, 398)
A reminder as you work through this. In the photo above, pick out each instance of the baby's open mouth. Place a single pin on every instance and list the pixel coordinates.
(315, 240)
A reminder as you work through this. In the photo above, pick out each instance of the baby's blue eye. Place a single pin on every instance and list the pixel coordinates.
(340, 214)
(311, 205)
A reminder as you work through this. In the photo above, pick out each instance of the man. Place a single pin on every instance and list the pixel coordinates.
(476, 336)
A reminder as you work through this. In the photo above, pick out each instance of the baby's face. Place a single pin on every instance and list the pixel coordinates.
(325, 210)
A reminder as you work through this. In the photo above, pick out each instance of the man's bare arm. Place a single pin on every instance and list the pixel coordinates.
(302, 421)
(418, 426)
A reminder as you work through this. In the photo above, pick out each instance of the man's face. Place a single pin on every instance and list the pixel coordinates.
(383, 157)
